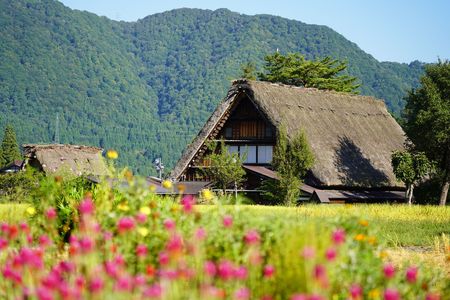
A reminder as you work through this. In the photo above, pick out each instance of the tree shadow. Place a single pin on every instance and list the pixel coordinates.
(354, 169)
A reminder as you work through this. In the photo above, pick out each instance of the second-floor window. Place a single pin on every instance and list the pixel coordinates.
(253, 154)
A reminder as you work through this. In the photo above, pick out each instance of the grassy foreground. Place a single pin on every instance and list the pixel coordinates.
(397, 225)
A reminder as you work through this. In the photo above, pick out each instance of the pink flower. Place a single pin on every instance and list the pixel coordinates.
(141, 250)
(268, 271)
(319, 271)
(154, 291)
(139, 280)
(51, 213)
(96, 284)
(125, 224)
(107, 235)
(200, 234)
(111, 269)
(4, 227)
(209, 268)
(391, 294)
(389, 270)
(86, 206)
(43, 293)
(169, 224)
(227, 221)
(315, 297)
(44, 241)
(188, 202)
(24, 227)
(356, 291)
(163, 258)
(299, 297)
(3, 243)
(141, 218)
(86, 244)
(242, 294)
(338, 236)
(124, 283)
(308, 252)
(225, 270)
(175, 243)
(252, 237)
(411, 274)
(240, 273)
(330, 254)
(266, 297)
(432, 296)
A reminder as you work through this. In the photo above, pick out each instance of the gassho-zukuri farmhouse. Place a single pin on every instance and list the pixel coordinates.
(352, 138)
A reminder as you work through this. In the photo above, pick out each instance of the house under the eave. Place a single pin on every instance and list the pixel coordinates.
(351, 136)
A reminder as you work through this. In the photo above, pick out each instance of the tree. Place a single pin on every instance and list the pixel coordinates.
(294, 69)
(248, 71)
(410, 168)
(9, 147)
(427, 119)
(225, 167)
(291, 160)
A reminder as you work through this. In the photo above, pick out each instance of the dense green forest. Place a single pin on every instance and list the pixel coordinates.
(145, 88)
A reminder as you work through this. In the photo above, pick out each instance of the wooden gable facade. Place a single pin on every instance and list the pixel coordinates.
(245, 130)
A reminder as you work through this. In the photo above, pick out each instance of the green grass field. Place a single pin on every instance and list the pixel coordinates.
(397, 225)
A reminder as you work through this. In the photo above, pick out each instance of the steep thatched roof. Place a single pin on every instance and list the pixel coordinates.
(352, 136)
(77, 160)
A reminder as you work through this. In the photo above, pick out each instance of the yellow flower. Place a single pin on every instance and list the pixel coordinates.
(112, 154)
(142, 231)
(167, 184)
(181, 188)
(360, 237)
(374, 294)
(207, 194)
(31, 211)
(364, 223)
(145, 210)
(123, 206)
(152, 188)
(372, 240)
(383, 254)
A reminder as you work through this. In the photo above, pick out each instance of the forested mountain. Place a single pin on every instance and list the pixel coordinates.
(146, 87)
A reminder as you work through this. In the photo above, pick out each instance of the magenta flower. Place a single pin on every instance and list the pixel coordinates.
(139, 280)
(227, 221)
(338, 236)
(331, 254)
(125, 224)
(51, 213)
(141, 218)
(169, 224)
(4, 227)
(242, 294)
(225, 270)
(268, 271)
(308, 252)
(163, 258)
(188, 202)
(3, 243)
(299, 297)
(356, 291)
(141, 250)
(111, 269)
(252, 237)
(210, 268)
(86, 244)
(154, 291)
(411, 274)
(200, 233)
(43, 293)
(175, 243)
(432, 296)
(391, 294)
(86, 206)
(44, 241)
(315, 297)
(319, 271)
(124, 283)
(240, 273)
(389, 270)
(96, 285)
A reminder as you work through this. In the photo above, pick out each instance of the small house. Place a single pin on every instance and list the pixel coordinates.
(352, 138)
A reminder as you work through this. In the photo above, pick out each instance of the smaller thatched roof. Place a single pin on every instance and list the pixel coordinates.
(75, 159)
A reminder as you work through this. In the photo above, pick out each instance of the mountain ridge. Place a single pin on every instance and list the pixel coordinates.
(146, 87)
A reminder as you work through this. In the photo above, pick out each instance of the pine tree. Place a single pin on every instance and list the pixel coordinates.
(9, 147)
(294, 69)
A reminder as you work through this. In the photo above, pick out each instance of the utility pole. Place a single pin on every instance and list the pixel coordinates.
(159, 167)
(56, 137)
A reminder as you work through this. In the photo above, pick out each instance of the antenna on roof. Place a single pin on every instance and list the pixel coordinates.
(56, 137)
(278, 50)
(159, 166)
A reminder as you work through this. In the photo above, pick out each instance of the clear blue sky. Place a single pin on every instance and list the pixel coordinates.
(390, 30)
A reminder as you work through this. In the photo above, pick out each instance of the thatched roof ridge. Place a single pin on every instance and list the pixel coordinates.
(75, 159)
(352, 136)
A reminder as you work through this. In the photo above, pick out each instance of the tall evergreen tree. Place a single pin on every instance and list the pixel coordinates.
(427, 122)
(294, 69)
(9, 148)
